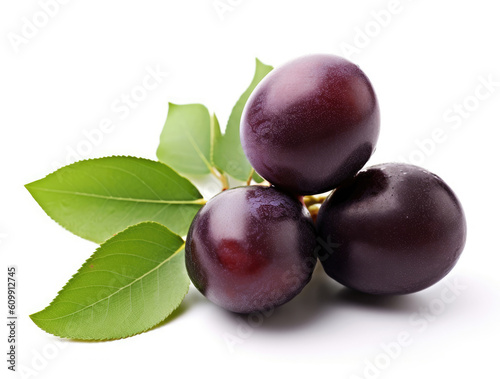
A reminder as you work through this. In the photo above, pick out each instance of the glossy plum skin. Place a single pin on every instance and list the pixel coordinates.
(311, 124)
(395, 229)
(251, 249)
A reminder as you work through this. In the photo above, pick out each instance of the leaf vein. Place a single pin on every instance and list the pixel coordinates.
(121, 289)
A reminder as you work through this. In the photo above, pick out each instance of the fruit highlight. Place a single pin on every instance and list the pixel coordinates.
(251, 248)
(399, 229)
(311, 124)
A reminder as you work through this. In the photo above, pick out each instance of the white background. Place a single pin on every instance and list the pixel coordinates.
(429, 56)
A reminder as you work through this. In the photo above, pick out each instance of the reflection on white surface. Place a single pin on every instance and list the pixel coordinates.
(422, 63)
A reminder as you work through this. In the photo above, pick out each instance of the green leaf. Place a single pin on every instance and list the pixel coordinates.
(185, 142)
(257, 178)
(97, 198)
(229, 155)
(130, 284)
(215, 135)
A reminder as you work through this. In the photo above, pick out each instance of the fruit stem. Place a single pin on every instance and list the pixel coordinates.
(225, 182)
(249, 180)
(314, 199)
(221, 177)
(264, 183)
(313, 204)
(313, 210)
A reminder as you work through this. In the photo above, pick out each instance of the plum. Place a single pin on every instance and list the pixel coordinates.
(395, 228)
(251, 248)
(311, 124)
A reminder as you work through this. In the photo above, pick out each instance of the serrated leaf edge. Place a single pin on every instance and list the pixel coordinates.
(199, 201)
(90, 259)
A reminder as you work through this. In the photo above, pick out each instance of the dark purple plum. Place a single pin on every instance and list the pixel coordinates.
(311, 124)
(393, 229)
(251, 249)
